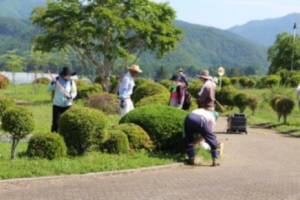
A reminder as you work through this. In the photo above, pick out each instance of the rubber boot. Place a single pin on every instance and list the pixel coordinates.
(190, 161)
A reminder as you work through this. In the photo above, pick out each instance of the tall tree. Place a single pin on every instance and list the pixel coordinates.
(161, 73)
(101, 32)
(281, 53)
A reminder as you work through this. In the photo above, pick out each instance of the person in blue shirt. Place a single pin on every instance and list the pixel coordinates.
(61, 101)
(126, 89)
(182, 77)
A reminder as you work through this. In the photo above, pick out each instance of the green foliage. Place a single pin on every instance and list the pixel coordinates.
(19, 122)
(251, 83)
(117, 142)
(46, 145)
(112, 83)
(285, 75)
(148, 89)
(167, 83)
(161, 74)
(226, 96)
(294, 80)
(82, 127)
(163, 124)
(137, 137)
(4, 81)
(273, 80)
(98, 80)
(42, 80)
(253, 102)
(225, 81)
(243, 81)
(13, 62)
(241, 101)
(284, 107)
(5, 103)
(274, 100)
(194, 88)
(105, 102)
(84, 89)
(234, 80)
(161, 99)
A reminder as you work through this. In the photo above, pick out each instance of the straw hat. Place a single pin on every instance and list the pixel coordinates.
(135, 68)
(180, 70)
(204, 74)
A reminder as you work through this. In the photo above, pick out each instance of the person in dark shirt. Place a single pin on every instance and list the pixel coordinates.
(182, 77)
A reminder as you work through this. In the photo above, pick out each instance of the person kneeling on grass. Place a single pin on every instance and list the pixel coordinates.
(202, 122)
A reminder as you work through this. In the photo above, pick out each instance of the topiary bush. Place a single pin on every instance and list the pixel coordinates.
(167, 83)
(46, 145)
(194, 88)
(84, 90)
(5, 103)
(284, 107)
(274, 101)
(137, 136)
(163, 124)
(253, 102)
(138, 82)
(4, 81)
(234, 81)
(107, 103)
(225, 81)
(243, 81)
(42, 80)
(293, 81)
(19, 122)
(160, 99)
(82, 127)
(251, 83)
(226, 96)
(272, 80)
(241, 101)
(116, 143)
(148, 89)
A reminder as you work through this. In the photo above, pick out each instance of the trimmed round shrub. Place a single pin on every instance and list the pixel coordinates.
(227, 94)
(293, 81)
(46, 145)
(42, 80)
(225, 81)
(273, 80)
(160, 99)
(137, 136)
(107, 103)
(253, 103)
(234, 80)
(82, 127)
(84, 89)
(284, 107)
(98, 80)
(274, 101)
(251, 83)
(5, 103)
(167, 83)
(194, 88)
(148, 89)
(243, 81)
(163, 124)
(4, 81)
(19, 122)
(117, 142)
(241, 101)
(138, 82)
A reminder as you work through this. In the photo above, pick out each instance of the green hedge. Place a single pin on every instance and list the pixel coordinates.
(161, 99)
(4, 81)
(117, 142)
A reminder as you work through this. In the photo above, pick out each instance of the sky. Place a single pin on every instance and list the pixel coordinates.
(225, 14)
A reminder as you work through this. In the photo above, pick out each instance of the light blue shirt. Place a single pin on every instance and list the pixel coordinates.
(59, 97)
(126, 86)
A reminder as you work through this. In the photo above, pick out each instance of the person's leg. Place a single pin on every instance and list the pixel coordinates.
(128, 107)
(55, 118)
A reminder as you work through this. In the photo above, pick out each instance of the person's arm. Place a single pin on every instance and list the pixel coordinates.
(50, 87)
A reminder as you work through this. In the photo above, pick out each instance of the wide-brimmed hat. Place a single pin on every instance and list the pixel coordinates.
(135, 68)
(180, 70)
(67, 71)
(175, 77)
(204, 74)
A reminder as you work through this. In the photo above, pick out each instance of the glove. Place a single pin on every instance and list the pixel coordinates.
(122, 103)
(68, 97)
(53, 81)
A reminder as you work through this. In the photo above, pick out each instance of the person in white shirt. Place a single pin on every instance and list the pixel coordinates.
(298, 94)
(200, 121)
(126, 88)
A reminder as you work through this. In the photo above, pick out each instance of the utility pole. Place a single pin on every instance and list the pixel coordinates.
(295, 28)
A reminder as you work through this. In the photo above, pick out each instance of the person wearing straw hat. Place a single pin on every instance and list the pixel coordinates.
(182, 77)
(61, 99)
(207, 94)
(126, 89)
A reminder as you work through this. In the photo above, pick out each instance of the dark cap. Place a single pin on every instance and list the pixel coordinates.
(175, 77)
(67, 71)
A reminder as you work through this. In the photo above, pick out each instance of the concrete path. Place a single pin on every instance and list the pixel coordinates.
(261, 165)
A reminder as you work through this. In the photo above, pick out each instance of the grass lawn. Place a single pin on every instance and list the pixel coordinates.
(93, 161)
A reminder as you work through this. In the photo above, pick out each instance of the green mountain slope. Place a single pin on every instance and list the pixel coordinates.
(264, 32)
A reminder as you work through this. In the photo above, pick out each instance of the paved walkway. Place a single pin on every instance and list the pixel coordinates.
(261, 165)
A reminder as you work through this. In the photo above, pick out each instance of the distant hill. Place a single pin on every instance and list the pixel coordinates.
(264, 32)
(19, 8)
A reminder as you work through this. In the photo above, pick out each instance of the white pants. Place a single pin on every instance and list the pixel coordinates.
(128, 107)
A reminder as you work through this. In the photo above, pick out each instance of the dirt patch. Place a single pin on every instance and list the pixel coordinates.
(22, 102)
